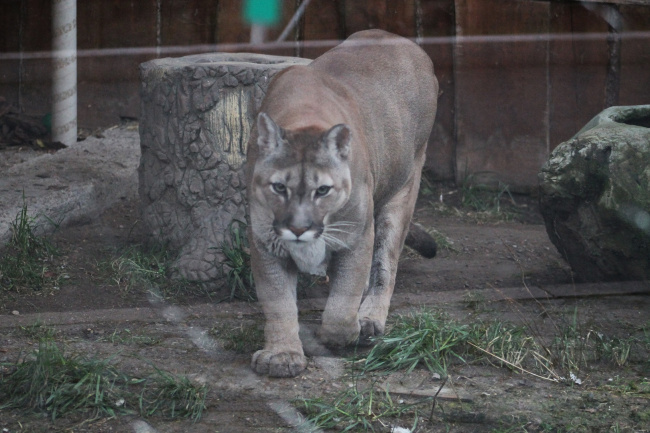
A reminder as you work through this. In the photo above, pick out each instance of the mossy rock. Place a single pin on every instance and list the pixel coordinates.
(595, 196)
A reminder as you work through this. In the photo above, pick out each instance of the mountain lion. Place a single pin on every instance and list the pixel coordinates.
(334, 166)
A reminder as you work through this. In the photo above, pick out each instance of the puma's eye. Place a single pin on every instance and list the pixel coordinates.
(279, 188)
(322, 190)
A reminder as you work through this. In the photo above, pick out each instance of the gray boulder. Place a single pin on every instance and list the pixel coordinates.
(595, 196)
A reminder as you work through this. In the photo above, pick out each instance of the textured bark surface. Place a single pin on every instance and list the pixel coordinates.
(196, 116)
(595, 196)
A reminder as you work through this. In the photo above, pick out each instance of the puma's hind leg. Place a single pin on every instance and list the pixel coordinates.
(391, 227)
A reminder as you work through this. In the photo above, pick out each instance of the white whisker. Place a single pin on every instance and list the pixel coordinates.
(328, 243)
(329, 229)
(331, 241)
(343, 224)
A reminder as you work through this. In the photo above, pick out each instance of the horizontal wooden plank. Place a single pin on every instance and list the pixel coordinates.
(619, 2)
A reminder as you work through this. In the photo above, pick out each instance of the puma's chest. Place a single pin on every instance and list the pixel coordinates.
(310, 257)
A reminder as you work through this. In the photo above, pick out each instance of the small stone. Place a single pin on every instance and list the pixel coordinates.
(15, 313)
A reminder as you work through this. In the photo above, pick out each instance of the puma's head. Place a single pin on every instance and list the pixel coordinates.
(301, 178)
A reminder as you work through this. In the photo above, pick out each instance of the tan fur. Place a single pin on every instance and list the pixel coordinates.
(333, 175)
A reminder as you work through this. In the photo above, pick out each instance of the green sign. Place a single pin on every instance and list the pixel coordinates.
(262, 12)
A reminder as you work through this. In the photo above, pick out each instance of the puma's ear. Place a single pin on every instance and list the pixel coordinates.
(337, 140)
(269, 135)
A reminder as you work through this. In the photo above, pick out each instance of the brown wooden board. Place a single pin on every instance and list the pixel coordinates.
(116, 24)
(230, 26)
(577, 69)
(635, 56)
(503, 104)
(438, 26)
(501, 91)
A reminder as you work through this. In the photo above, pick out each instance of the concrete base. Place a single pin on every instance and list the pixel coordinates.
(72, 184)
(196, 117)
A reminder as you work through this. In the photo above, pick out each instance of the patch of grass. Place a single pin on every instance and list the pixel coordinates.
(39, 332)
(244, 338)
(357, 409)
(433, 340)
(629, 388)
(569, 347)
(60, 384)
(26, 261)
(481, 197)
(574, 350)
(236, 265)
(510, 345)
(574, 347)
(147, 268)
(426, 337)
(139, 266)
(172, 397)
(614, 349)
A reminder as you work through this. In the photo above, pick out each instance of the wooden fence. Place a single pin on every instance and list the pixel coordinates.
(517, 76)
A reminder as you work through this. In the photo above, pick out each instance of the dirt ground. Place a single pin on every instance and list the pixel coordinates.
(488, 267)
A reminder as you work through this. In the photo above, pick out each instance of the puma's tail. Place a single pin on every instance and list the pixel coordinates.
(421, 241)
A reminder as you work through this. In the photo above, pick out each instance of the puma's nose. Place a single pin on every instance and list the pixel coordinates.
(298, 231)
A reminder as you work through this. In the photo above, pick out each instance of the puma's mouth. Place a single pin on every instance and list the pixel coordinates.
(300, 240)
(298, 237)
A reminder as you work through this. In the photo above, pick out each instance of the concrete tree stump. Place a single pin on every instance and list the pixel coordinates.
(196, 117)
(595, 196)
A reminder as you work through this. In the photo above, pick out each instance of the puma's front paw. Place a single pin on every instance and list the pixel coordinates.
(278, 364)
(339, 335)
(370, 329)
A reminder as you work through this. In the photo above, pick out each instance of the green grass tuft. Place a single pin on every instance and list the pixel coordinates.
(39, 332)
(484, 198)
(243, 338)
(59, 384)
(148, 268)
(26, 260)
(427, 338)
(508, 345)
(172, 396)
(236, 265)
(574, 349)
(356, 409)
(138, 266)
